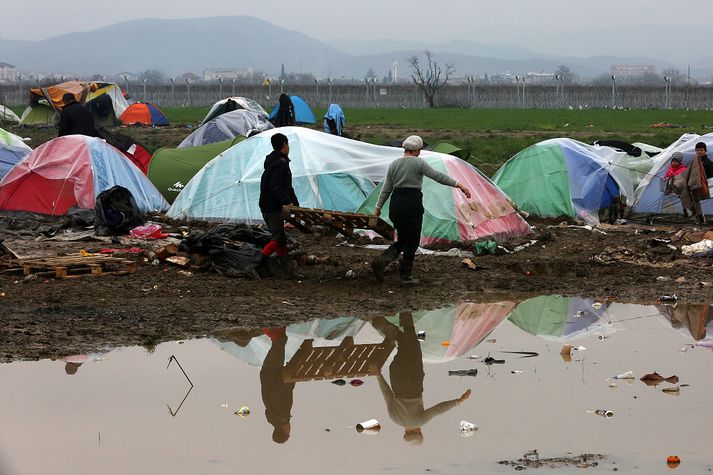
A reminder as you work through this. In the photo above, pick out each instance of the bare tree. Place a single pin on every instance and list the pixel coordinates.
(430, 77)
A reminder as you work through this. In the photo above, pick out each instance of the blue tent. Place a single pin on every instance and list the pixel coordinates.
(303, 114)
(649, 198)
(12, 150)
(334, 120)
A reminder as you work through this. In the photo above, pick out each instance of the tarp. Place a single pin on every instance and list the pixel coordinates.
(334, 120)
(328, 172)
(12, 150)
(105, 100)
(71, 171)
(564, 177)
(170, 169)
(562, 318)
(7, 116)
(143, 113)
(449, 215)
(649, 198)
(226, 126)
(220, 107)
(303, 113)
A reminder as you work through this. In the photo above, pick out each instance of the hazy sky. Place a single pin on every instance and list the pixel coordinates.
(544, 25)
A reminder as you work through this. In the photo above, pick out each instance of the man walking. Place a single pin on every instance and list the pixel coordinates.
(275, 191)
(75, 118)
(403, 182)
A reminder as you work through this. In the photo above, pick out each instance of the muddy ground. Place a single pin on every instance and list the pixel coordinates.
(47, 317)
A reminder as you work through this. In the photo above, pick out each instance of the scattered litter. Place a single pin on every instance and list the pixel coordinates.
(673, 461)
(288, 303)
(467, 429)
(672, 247)
(680, 280)
(683, 349)
(490, 360)
(485, 247)
(652, 379)
(668, 298)
(463, 372)
(601, 337)
(421, 335)
(185, 272)
(356, 382)
(516, 371)
(445, 343)
(180, 342)
(627, 375)
(703, 247)
(580, 348)
(602, 412)
(579, 314)
(596, 305)
(243, 411)
(613, 385)
(224, 405)
(532, 455)
(705, 284)
(370, 425)
(662, 278)
(149, 231)
(672, 390)
(339, 382)
(525, 354)
(350, 273)
(469, 264)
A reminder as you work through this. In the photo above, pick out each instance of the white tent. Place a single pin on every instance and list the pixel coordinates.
(226, 126)
(242, 103)
(7, 116)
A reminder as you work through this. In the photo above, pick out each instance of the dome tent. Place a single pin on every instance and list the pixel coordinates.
(564, 177)
(303, 113)
(12, 150)
(649, 198)
(450, 216)
(328, 172)
(143, 113)
(226, 126)
(233, 103)
(7, 116)
(71, 171)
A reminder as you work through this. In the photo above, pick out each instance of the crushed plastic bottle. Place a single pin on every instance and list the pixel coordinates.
(243, 411)
(602, 412)
(467, 428)
(627, 375)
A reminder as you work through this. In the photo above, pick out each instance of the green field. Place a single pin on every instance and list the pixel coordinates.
(491, 135)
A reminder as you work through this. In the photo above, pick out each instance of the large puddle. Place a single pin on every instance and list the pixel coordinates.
(130, 411)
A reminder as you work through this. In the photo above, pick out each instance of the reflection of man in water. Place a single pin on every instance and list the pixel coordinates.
(404, 399)
(276, 394)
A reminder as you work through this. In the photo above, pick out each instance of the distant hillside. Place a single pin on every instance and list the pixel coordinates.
(178, 46)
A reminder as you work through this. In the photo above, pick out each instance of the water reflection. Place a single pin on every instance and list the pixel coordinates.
(404, 398)
(694, 320)
(276, 392)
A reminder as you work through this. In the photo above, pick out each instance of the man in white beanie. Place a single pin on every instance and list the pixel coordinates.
(403, 183)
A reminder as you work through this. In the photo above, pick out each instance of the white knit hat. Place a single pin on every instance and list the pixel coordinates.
(413, 142)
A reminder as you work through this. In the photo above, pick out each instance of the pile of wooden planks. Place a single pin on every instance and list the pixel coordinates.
(74, 265)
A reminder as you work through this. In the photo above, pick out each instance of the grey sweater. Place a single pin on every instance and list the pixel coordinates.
(408, 172)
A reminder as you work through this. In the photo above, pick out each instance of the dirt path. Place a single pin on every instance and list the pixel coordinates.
(46, 317)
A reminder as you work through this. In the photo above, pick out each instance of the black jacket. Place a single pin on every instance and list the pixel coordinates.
(707, 166)
(76, 119)
(276, 184)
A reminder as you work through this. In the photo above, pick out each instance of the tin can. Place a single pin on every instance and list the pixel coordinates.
(372, 425)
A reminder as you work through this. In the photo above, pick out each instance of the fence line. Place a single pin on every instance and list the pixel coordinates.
(408, 96)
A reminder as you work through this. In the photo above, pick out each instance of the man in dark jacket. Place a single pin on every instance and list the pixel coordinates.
(276, 191)
(75, 118)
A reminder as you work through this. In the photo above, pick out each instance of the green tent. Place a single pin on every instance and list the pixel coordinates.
(450, 149)
(42, 115)
(171, 169)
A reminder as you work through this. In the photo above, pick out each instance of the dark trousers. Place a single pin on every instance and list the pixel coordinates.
(276, 224)
(406, 212)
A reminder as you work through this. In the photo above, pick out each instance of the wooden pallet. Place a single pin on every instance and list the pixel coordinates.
(305, 218)
(75, 265)
(344, 361)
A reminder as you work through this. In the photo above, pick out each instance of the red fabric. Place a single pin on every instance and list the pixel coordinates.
(673, 171)
(275, 333)
(141, 158)
(274, 246)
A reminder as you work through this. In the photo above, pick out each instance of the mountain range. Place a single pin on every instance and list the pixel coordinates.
(192, 45)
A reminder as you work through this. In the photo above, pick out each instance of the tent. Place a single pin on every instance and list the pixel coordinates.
(450, 216)
(7, 116)
(39, 115)
(328, 172)
(564, 177)
(463, 326)
(562, 318)
(71, 171)
(171, 168)
(233, 103)
(143, 113)
(12, 150)
(105, 100)
(649, 198)
(226, 126)
(134, 151)
(334, 120)
(303, 113)
(450, 149)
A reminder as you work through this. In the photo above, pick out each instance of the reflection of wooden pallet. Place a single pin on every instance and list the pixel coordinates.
(76, 265)
(344, 361)
(304, 218)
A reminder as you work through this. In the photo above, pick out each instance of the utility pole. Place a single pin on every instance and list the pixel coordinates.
(172, 91)
(220, 88)
(613, 90)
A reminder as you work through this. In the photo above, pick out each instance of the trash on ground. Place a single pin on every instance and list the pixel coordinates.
(244, 411)
(672, 390)
(601, 337)
(149, 231)
(652, 379)
(421, 335)
(673, 461)
(516, 371)
(463, 372)
(490, 360)
(485, 247)
(602, 412)
(668, 298)
(525, 354)
(662, 278)
(467, 429)
(372, 425)
(703, 247)
(469, 264)
(596, 305)
(339, 382)
(627, 375)
(356, 382)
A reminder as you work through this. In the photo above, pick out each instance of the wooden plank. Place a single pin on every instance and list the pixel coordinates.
(344, 223)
